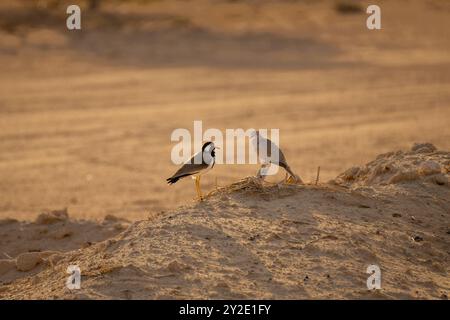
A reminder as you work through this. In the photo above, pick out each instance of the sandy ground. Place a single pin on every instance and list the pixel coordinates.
(272, 242)
(24, 244)
(86, 117)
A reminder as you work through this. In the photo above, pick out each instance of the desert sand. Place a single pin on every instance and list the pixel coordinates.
(86, 116)
(85, 124)
(266, 241)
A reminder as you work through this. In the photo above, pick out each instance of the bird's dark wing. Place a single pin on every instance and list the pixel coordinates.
(190, 167)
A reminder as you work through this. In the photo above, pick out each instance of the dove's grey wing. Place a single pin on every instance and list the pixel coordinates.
(281, 158)
(273, 147)
(264, 148)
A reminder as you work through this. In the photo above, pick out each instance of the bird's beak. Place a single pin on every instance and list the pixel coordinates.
(217, 148)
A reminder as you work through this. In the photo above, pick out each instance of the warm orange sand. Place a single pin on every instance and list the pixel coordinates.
(86, 117)
(85, 124)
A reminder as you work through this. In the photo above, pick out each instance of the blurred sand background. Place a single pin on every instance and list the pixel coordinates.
(86, 116)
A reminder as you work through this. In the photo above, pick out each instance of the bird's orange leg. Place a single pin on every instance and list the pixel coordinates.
(197, 185)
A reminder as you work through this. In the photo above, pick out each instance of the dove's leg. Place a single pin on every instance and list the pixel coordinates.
(262, 172)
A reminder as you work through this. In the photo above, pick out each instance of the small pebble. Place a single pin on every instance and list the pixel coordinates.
(27, 261)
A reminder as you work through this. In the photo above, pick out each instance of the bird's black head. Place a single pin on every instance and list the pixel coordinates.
(206, 144)
(209, 147)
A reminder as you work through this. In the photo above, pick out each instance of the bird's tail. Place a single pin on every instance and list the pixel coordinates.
(295, 177)
(175, 178)
(172, 180)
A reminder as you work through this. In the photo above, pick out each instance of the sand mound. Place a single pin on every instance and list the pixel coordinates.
(28, 247)
(422, 164)
(275, 241)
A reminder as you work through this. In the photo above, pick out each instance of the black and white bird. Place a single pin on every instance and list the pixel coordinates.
(199, 164)
(269, 153)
